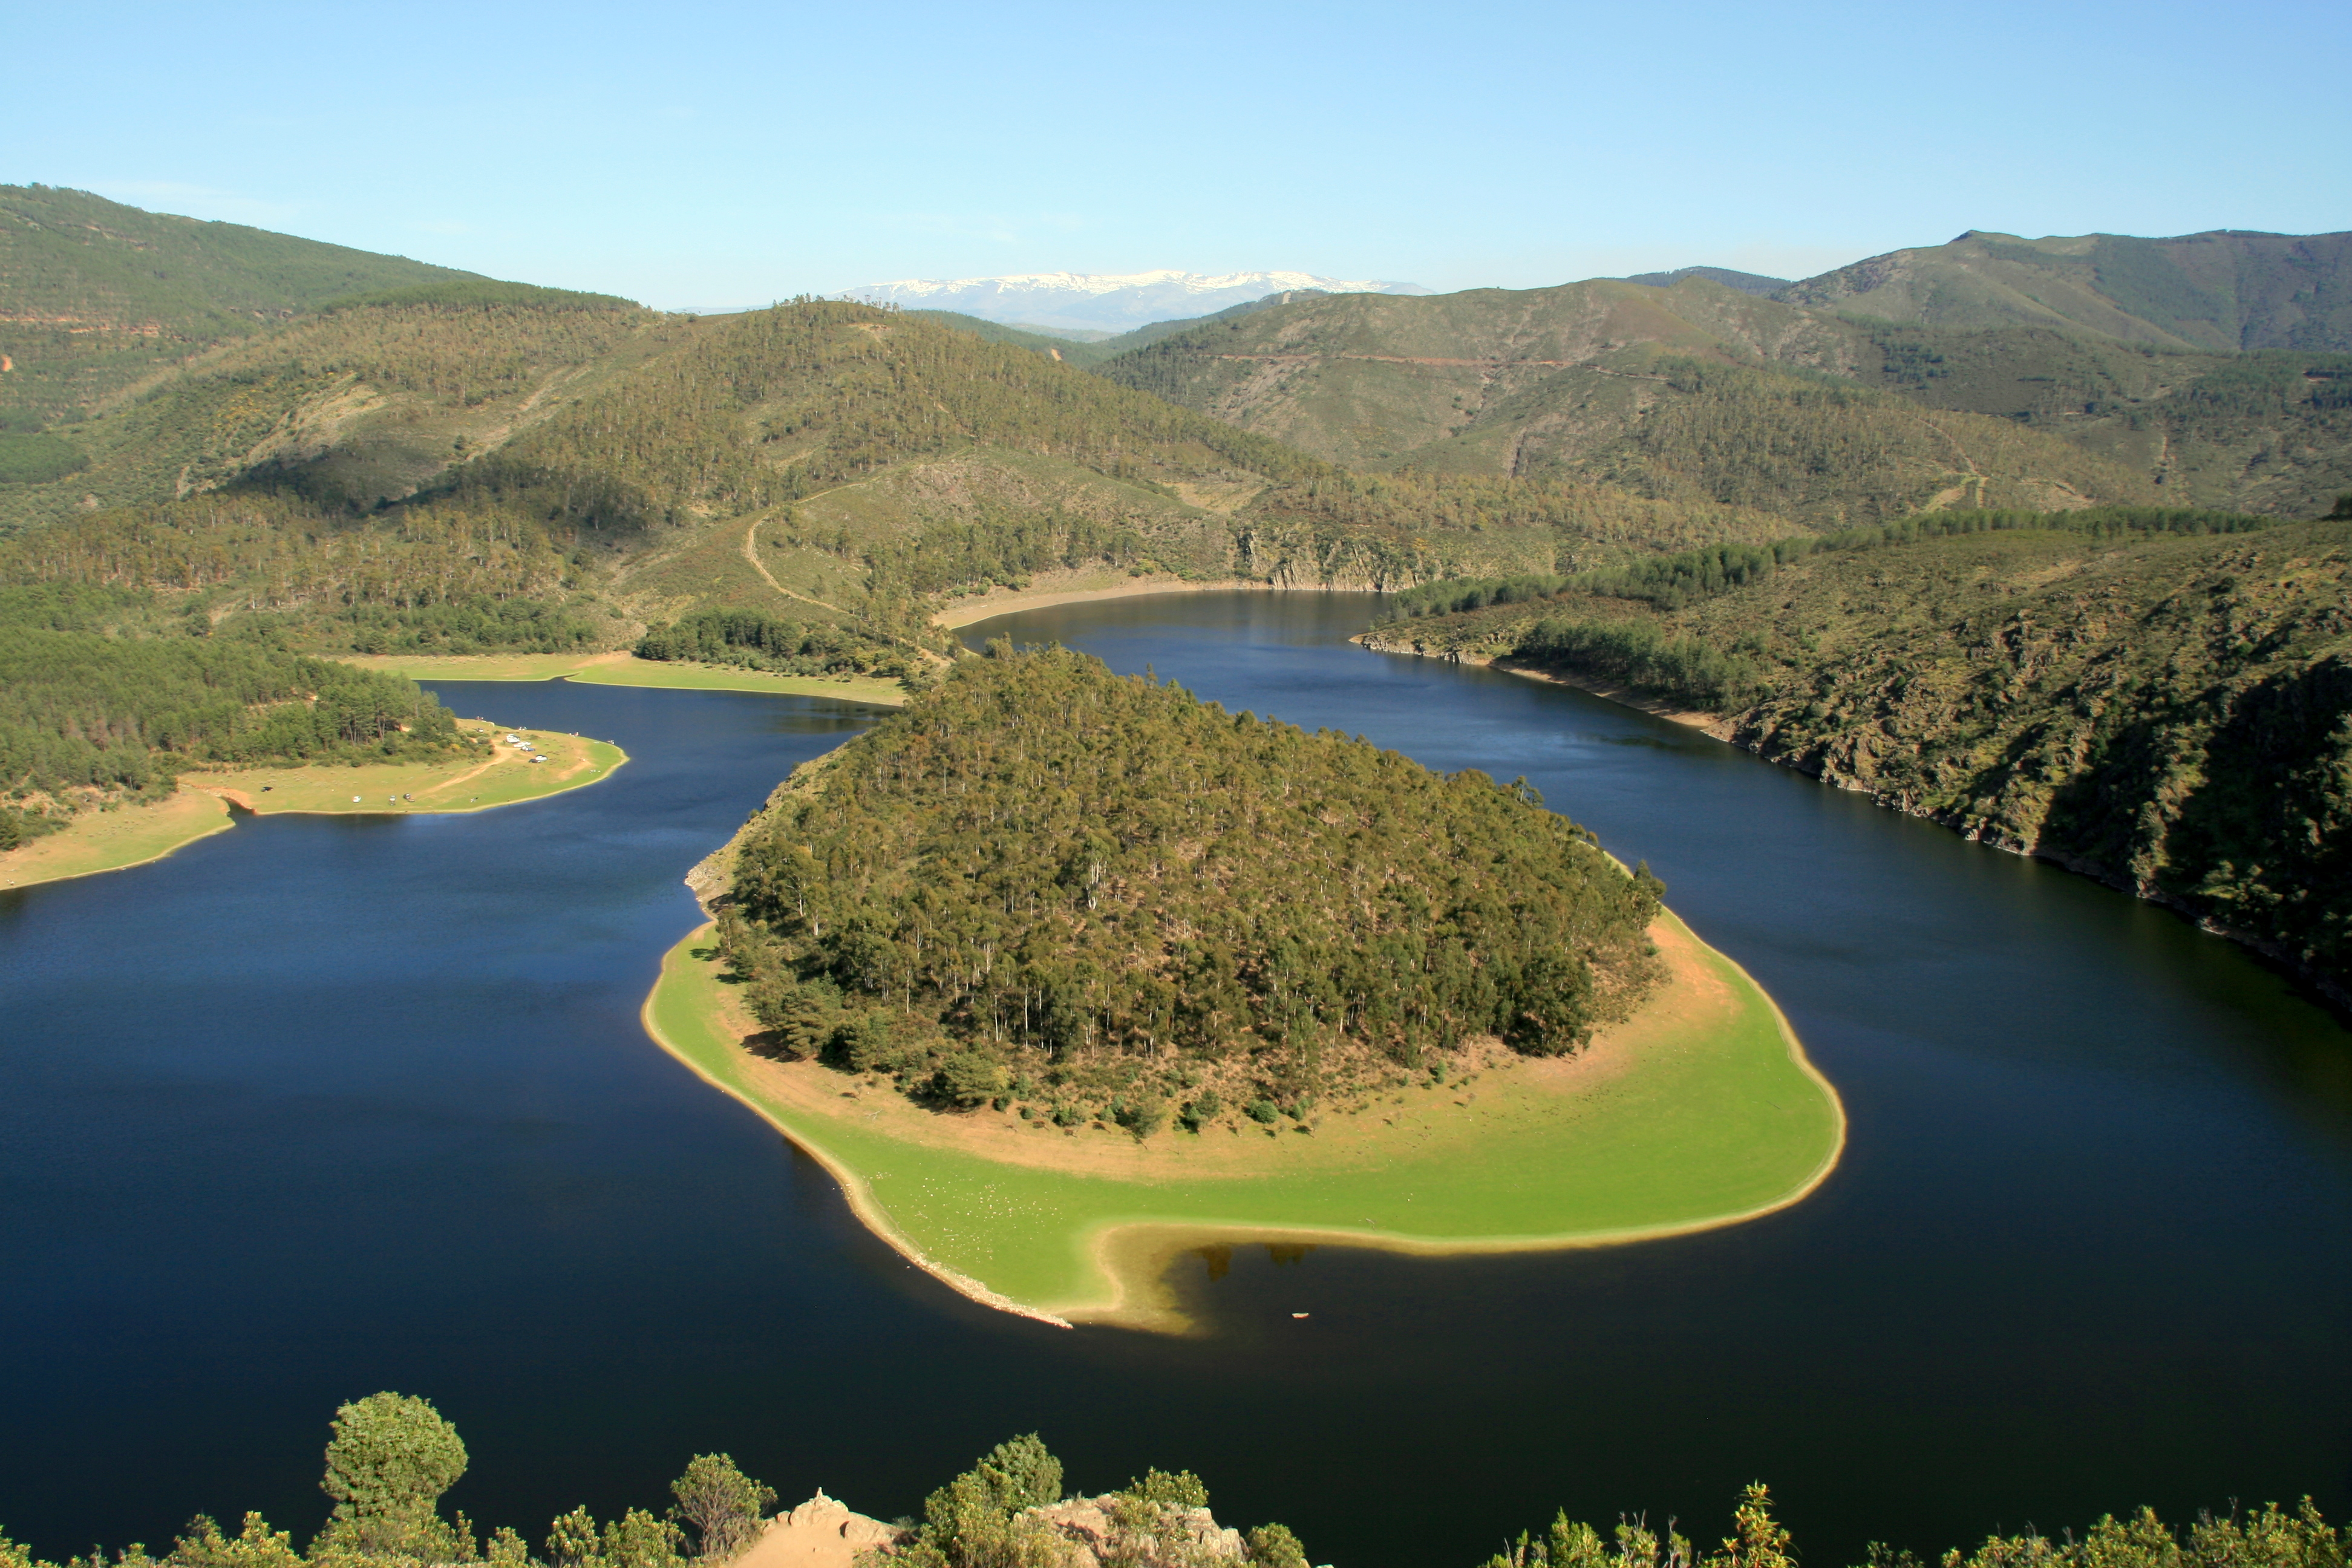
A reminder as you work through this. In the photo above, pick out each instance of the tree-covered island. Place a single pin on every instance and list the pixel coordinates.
(1060, 972)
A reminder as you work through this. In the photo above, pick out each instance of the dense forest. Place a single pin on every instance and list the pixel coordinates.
(752, 639)
(448, 579)
(398, 473)
(1090, 895)
(89, 718)
(1669, 581)
(391, 1457)
(2161, 700)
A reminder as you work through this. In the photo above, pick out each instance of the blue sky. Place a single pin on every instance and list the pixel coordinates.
(717, 154)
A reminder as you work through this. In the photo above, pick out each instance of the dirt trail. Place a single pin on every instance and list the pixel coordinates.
(1488, 365)
(751, 554)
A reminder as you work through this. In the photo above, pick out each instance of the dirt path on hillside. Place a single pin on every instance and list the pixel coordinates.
(751, 554)
(1454, 364)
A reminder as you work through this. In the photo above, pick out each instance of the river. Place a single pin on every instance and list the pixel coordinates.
(326, 1105)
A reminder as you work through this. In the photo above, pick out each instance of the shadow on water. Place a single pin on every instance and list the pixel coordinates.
(319, 1105)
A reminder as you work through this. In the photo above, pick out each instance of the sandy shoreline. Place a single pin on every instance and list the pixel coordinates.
(854, 1189)
(965, 612)
(100, 841)
(1127, 1255)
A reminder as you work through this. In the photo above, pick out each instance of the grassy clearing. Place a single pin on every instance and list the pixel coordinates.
(110, 840)
(506, 776)
(627, 669)
(1700, 1112)
(130, 836)
(727, 678)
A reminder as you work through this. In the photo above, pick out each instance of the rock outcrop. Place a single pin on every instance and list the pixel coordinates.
(1178, 1538)
(820, 1533)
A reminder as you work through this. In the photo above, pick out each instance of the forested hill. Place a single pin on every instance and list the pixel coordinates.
(1805, 406)
(2164, 702)
(476, 465)
(1696, 392)
(2224, 290)
(94, 294)
(362, 403)
(1100, 896)
(454, 465)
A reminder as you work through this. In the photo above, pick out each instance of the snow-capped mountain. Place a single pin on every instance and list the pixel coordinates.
(1104, 301)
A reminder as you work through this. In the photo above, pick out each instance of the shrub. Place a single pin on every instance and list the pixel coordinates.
(970, 1078)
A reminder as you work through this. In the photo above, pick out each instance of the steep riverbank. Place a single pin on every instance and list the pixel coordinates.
(1759, 740)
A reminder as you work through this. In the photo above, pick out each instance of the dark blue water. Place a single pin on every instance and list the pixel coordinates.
(321, 1105)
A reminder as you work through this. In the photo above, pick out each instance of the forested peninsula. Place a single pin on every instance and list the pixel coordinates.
(105, 717)
(2156, 698)
(91, 718)
(1102, 895)
(1061, 972)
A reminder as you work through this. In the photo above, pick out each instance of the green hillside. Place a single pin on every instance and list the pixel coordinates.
(2162, 701)
(1051, 345)
(2223, 290)
(1746, 282)
(2010, 405)
(364, 401)
(477, 467)
(95, 295)
(1696, 393)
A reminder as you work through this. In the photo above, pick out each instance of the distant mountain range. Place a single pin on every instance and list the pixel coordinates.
(2212, 368)
(1086, 303)
(144, 355)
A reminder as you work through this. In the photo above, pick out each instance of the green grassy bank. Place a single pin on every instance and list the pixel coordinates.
(627, 669)
(123, 836)
(1706, 1113)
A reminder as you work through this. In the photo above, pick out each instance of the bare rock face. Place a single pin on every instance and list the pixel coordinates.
(820, 1533)
(1176, 1538)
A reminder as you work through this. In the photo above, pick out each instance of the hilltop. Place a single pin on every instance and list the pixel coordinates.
(1746, 282)
(95, 295)
(1104, 304)
(2225, 290)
